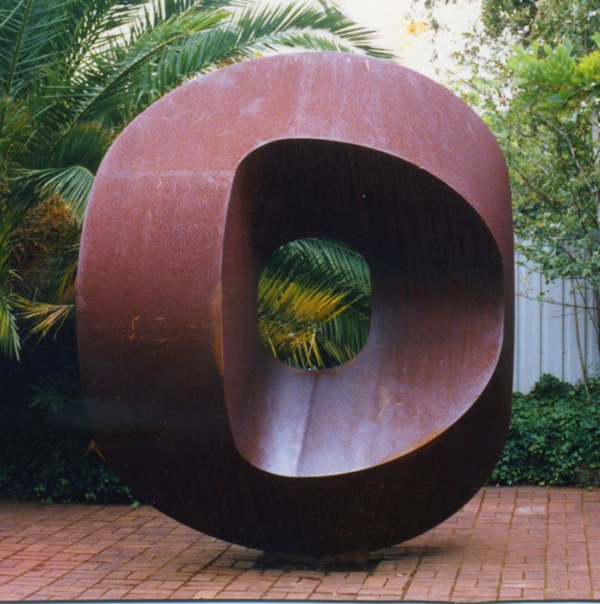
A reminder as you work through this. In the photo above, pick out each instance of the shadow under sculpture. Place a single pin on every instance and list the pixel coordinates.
(189, 407)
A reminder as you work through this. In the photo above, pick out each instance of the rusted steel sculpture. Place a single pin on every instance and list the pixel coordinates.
(187, 405)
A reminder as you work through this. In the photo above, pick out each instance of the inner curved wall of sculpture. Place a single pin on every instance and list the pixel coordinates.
(436, 277)
(193, 197)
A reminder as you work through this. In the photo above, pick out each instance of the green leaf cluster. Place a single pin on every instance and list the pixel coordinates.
(60, 473)
(530, 68)
(554, 185)
(554, 439)
(45, 443)
(73, 74)
(314, 303)
(554, 78)
(554, 435)
(54, 391)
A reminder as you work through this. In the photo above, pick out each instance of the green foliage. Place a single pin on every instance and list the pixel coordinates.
(554, 183)
(314, 303)
(532, 73)
(555, 21)
(74, 73)
(53, 392)
(9, 339)
(46, 451)
(46, 448)
(524, 21)
(554, 434)
(554, 153)
(503, 16)
(45, 460)
(553, 78)
(60, 472)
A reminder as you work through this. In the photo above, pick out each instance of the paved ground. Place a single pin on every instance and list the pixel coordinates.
(507, 544)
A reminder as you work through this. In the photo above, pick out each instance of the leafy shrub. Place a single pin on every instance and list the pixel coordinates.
(45, 439)
(554, 439)
(554, 436)
(54, 473)
(49, 457)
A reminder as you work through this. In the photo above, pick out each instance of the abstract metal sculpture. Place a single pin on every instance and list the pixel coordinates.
(187, 405)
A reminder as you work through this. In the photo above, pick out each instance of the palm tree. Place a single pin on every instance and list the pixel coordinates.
(73, 73)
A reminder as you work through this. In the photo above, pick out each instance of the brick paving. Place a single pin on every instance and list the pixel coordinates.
(517, 543)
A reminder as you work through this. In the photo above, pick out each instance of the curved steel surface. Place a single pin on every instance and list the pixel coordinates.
(187, 405)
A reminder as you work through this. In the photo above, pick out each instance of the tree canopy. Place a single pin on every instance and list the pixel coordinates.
(533, 73)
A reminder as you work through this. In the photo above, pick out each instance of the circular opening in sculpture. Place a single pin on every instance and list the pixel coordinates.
(314, 303)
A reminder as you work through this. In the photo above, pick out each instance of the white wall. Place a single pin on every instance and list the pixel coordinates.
(545, 333)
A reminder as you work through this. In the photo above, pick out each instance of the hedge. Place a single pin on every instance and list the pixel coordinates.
(554, 436)
(49, 459)
(554, 439)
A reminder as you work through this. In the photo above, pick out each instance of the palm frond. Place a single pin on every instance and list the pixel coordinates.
(70, 165)
(185, 41)
(60, 282)
(27, 33)
(73, 184)
(53, 392)
(95, 101)
(44, 252)
(314, 303)
(161, 10)
(42, 316)
(291, 25)
(10, 343)
(93, 24)
(64, 285)
(16, 132)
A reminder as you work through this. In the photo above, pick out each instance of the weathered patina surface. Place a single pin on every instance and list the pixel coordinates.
(187, 405)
